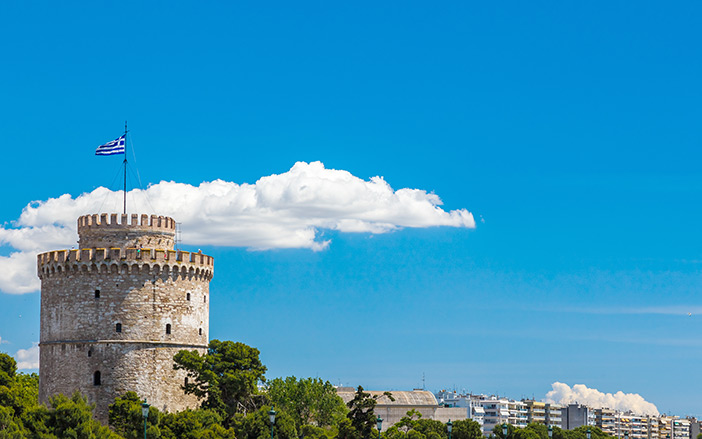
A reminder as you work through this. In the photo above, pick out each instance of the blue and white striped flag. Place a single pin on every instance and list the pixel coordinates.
(110, 148)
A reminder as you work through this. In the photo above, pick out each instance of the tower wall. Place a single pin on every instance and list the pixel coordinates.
(106, 231)
(87, 293)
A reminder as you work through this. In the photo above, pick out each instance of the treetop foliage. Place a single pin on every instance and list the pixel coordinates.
(413, 426)
(540, 431)
(308, 401)
(225, 378)
(362, 419)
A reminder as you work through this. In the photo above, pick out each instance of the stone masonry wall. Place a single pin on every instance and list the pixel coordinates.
(103, 231)
(123, 312)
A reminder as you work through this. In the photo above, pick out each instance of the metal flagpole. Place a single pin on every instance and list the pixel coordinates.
(125, 167)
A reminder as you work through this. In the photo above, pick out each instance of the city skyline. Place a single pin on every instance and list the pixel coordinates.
(492, 197)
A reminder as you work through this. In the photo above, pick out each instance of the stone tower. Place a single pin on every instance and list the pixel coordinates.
(116, 311)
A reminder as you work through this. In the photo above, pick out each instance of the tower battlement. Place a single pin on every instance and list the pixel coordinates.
(147, 255)
(125, 297)
(114, 230)
(155, 222)
(153, 261)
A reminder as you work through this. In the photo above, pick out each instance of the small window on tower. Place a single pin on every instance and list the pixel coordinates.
(118, 327)
(205, 298)
(97, 294)
(90, 352)
(168, 328)
(186, 381)
(187, 296)
(96, 378)
(200, 331)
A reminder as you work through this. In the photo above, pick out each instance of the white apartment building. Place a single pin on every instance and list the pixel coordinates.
(474, 410)
(491, 411)
(500, 411)
(496, 412)
(517, 413)
(632, 426)
(680, 428)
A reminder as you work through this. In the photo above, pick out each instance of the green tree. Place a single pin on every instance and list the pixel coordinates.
(18, 393)
(256, 425)
(345, 430)
(497, 431)
(66, 418)
(431, 428)
(410, 428)
(225, 378)
(403, 426)
(25, 392)
(466, 429)
(525, 433)
(362, 415)
(10, 428)
(8, 368)
(307, 401)
(595, 432)
(194, 424)
(308, 431)
(541, 430)
(125, 417)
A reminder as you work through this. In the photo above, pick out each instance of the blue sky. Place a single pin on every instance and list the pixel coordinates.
(570, 132)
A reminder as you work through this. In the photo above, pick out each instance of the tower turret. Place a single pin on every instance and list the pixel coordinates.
(115, 311)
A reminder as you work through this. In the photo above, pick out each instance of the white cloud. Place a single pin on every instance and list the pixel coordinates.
(28, 358)
(279, 211)
(580, 393)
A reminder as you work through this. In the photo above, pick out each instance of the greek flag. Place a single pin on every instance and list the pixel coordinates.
(110, 148)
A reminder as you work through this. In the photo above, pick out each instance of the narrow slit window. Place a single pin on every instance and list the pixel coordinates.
(200, 331)
(118, 327)
(96, 378)
(187, 296)
(97, 294)
(168, 328)
(205, 298)
(90, 352)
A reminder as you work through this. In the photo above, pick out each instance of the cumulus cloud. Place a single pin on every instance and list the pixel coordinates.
(562, 393)
(285, 210)
(28, 358)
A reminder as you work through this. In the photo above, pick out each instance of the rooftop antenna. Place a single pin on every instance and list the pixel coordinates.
(424, 387)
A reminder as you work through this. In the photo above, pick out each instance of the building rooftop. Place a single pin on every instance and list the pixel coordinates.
(402, 398)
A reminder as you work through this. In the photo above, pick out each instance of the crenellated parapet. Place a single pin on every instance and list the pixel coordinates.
(152, 222)
(115, 230)
(125, 297)
(153, 261)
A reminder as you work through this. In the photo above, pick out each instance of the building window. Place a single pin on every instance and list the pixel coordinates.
(186, 381)
(187, 296)
(205, 298)
(90, 352)
(200, 331)
(118, 327)
(96, 378)
(168, 328)
(97, 294)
